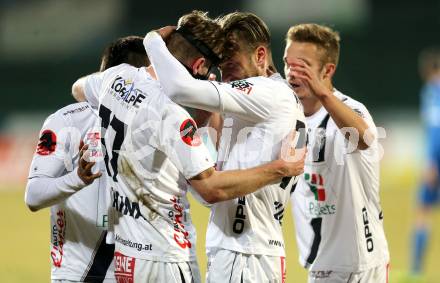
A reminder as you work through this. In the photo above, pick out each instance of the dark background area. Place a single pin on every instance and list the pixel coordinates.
(378, 64)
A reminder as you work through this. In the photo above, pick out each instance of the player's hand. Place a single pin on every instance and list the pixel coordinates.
(292, 156)
(294, 162)
(85, 167)
(165, 32)
(304, 72)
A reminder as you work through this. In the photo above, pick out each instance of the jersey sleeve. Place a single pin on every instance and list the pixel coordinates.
(50, 157)
(247, 99)
(362, 112)
(92, 88)
(179, 140)
(239, 97)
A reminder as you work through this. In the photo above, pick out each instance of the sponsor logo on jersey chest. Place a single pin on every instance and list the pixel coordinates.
(319, 206)
(124, 90)
(126, 207)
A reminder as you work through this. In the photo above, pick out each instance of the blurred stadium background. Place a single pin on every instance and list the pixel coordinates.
(45, 45)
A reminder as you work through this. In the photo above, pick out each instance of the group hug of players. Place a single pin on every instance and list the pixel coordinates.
(115, 168)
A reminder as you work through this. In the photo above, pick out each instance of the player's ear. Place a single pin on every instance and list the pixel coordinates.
(198, 65)
(261, 55)
(328, 70)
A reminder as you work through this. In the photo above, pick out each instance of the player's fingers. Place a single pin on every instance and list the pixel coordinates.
(88, 167)
(83, 156)
(212, 77)
(81, 144)
(95, 176)
(301, 76)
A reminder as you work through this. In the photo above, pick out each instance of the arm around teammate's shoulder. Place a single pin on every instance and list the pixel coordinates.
(216, 186)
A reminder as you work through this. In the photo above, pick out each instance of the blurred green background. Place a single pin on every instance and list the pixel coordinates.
(46, 45)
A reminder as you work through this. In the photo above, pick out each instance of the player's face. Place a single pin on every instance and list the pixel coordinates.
(306, 52)
(238, 67)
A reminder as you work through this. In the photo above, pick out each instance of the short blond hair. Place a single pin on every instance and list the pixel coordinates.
(323, 37)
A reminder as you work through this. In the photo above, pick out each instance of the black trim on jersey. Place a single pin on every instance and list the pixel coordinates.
(381, 215)
(181, 274)
(302, 142)
(316, 225)
(232, 269)
(321, 153)
(219, 97)
(293, 188)
(284, 182)
(190, 270)
(101, 259)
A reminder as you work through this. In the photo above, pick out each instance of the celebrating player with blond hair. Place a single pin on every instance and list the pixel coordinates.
(336, 204)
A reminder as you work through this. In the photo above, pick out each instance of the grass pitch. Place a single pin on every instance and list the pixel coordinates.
(25, 235)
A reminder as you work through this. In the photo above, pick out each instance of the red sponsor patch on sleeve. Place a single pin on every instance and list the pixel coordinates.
(188, 133)
(47, 143)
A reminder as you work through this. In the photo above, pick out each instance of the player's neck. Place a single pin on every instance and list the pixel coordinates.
(312, 104)
(151, 71)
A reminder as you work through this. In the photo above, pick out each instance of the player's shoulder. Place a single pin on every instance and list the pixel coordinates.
(120, 68)
(74, 109)
(174, 110)
(123, 71)
(78, 115)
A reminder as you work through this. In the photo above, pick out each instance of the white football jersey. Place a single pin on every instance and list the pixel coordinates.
(78, 224)
(252, 224)
(336, 204)
(152, 150)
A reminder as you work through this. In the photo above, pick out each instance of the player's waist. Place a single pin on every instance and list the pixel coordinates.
(164, 255)
(246, 249)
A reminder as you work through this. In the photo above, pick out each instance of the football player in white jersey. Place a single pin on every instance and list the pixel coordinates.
(336, 202)
(153, 149)
(60, 179)
(244, 238)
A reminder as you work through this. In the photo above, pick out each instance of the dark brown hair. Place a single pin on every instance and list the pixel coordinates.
(129, 49)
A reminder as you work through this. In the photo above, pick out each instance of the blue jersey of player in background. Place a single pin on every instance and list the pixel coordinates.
(430, 109)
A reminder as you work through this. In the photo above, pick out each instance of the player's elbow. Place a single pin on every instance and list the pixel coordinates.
(30, 199)
(176, 92)
(180, 91)
(366, 139)
(362, 145)
(32, 208)
(30, 205)
(214, 195)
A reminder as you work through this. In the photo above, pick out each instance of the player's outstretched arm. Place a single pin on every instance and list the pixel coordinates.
(42, 192)
(177, 83)
(185, 90)
(215, 186)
